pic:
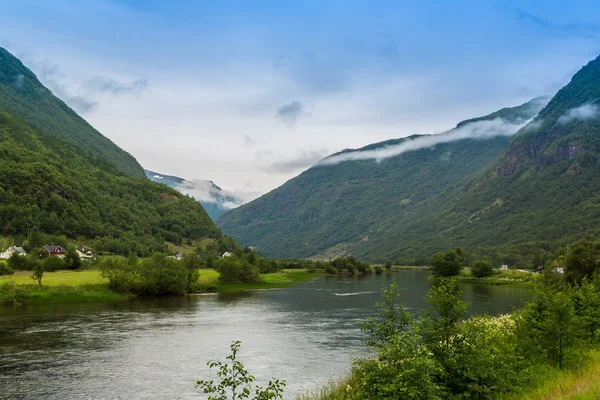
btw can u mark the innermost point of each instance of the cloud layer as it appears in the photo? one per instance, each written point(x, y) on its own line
point(474, 130)
point(305, 159)
point(585, 112)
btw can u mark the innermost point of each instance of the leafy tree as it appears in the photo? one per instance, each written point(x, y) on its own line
point(582, 261)
point(5, 269)
point(52, 264)
point(388, 265)
point(587, 307)
point(549, 326)
point(17, 262)
point(38, 273)
point(235, 270)
point(72, 260)
point(448, 263)
point(236, 382)
point(192, 264)
point(36, 239)
point(482, 269)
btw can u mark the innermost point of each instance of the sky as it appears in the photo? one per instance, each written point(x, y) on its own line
point(251, 93)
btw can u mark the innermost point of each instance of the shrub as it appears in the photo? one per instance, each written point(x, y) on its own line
point(447, 263)
point(52, 264)
point(235, 270)
point(17, 262)
point(378, 269)
point(330, 269)
point(482, 269)
point(5, 269)
point(13, 295)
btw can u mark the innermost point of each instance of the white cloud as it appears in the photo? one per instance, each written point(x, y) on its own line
point(474, 130)
point(585, 112)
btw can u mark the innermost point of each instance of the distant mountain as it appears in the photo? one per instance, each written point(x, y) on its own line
point(60, 175)
point(362, 201)
point(22, 94)
point(215, 200)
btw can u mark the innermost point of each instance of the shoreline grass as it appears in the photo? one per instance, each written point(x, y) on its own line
point(89, 286)
point(500, 278)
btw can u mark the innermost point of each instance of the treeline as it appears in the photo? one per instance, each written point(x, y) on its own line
point(445, 355)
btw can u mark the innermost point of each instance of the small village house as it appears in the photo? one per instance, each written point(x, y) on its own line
point(86, 254)
point(54, 251)
point(227, 254)
point(12, 250)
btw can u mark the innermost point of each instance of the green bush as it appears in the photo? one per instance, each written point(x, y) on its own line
point(235, 270)
point(12, 295)
point(330, 269)
point(482, 269)
point(52, 264)
point(5, 269)
point(447, 263)
point(378, 269)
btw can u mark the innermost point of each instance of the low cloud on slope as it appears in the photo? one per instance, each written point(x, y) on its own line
point(474, 130)
point(585, 112)
point(306, 159)
point(206, 191)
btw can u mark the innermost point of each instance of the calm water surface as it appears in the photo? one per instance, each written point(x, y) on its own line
point(157, 348)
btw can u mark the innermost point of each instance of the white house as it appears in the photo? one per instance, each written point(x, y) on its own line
point(177, 256)
point(86, 254)
point(504, 267)
point(227, 254)
point(11, 250)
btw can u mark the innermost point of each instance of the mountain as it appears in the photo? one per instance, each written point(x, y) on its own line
point(57, 184)
point(356, 200)
point(214, 199)
point(22, 94)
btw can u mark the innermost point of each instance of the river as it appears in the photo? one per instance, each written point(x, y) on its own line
point(157, 348)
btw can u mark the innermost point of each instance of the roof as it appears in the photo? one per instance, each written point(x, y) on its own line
point(85, 250)
point(52, 249)
point(16, 249)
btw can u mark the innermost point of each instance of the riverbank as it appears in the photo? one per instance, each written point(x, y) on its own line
point(551, 384)
point(510, 277)
point(89, 285)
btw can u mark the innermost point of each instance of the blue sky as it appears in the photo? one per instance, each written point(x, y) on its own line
point(250, 93)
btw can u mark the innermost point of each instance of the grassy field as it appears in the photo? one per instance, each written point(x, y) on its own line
point(510, 277)
point(580, 384)
point(88, 285)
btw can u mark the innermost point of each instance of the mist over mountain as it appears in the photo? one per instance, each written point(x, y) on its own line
point(352, 201)
point(215, 200)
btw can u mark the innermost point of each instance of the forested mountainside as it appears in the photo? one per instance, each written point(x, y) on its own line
point(214, 199)
point(22, 94)
point(62, 190)
point(357, 206)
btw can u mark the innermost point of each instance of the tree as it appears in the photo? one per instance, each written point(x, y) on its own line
point(582, 261)
point(482, 269)
point(236, 382)
point(38, 273)
point(388, 265)
point(17, 262)
point(36, 240)
point(53, 264)
point(72, 260)
point(192, 265)
point(447, 263)
point(549, 326)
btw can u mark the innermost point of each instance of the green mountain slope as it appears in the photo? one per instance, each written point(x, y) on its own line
point(22, 94)
point(356, 206)
point(62, 190)
point(544, 188)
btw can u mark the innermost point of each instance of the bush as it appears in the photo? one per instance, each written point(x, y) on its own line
point(235, 270)
point(447, 263)
point(482, 269)
point(156, 276)
point(5, 269)
point(52, 264)
point(330, 269)
point(13, 295)
point(378, 269)
point(17, 262)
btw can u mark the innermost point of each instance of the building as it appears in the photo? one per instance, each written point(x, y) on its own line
point(12, 250)
point(227, 254)
point(54, 251)
point(86, 254)
point(504, 267)
point(177, 256)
